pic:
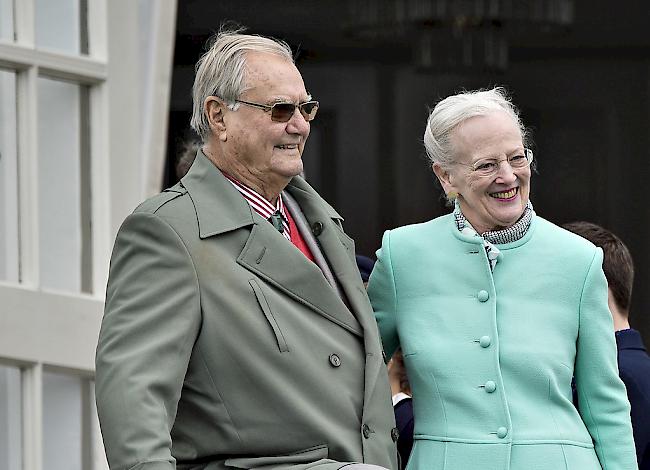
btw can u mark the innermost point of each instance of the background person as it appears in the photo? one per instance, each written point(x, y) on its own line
point(402, 405)
point(495, 309)
point(633, 360)
point(237, 332)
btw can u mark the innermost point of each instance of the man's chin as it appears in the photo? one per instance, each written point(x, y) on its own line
point(289, 171)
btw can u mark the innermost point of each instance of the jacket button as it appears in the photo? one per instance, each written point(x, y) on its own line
point(365, 429)
point(485, 341)
point(335, 360)
point(317, 228)
point(394, 434)
point(502, 432)
point(483, 295)
point(490, 386)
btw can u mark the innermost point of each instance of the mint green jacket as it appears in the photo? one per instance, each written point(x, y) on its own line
point(490, 355)
point(223, 347)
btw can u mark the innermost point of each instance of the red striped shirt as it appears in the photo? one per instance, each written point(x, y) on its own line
point(260, 205)
point(265, 209)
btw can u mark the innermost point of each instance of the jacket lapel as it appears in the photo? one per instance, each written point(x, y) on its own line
point(338, 249)
point(270, 256)
point(266, 253)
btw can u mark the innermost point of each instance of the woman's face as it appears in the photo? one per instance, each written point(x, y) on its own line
point(493, 202)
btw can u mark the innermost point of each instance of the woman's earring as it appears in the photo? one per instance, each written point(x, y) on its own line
point(451, 195)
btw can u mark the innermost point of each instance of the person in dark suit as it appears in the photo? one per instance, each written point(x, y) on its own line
point(633, 359)
point(237, 333)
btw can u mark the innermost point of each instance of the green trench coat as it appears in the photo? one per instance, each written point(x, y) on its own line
point(222, 346)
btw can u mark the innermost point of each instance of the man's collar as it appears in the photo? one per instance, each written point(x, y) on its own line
point(219, 207)
point(629, 339)
point(264, 208)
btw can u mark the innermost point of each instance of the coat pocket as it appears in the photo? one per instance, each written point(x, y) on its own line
point(305, 456)
point(264, 305)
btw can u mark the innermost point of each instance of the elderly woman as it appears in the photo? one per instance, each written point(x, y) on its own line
point(496, 310)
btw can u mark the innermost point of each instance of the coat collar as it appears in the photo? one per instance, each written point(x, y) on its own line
point(219, 207)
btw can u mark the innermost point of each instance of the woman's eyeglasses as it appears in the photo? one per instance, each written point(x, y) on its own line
point(487, 167)
point(282, 112)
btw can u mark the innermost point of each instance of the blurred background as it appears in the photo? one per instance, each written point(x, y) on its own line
point(579, 70)
point(95, 101)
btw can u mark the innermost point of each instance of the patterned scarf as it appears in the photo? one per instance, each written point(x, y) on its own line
point(495, 237)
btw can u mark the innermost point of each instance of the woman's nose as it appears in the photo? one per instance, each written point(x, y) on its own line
point(505, 172)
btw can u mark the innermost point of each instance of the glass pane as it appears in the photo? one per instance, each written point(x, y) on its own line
point(7, 19)
point(10, 417)
point(64, 194)
point(63, 400)
point(9, 264)
point(59, 25)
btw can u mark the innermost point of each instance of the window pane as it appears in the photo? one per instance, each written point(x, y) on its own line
point(10, 417)
point(64, 194)
point(9, 264)
point(59, 25)
point(7, 19)
point(62, 421)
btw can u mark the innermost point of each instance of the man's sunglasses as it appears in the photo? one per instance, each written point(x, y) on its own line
point(282, 112)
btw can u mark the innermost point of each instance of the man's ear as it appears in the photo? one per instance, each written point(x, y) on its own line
point(445, 179)
point(214, 108)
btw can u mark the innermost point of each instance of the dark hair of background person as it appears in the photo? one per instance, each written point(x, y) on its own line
point(617, 261)
point(186, 157)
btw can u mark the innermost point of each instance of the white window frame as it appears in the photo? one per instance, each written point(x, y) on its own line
point(41, 329)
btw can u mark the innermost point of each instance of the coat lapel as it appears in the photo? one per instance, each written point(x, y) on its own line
point(266, 253)
point(338, 249)
point(269, 255)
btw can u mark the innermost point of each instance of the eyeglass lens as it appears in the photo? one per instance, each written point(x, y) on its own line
point(282, 112)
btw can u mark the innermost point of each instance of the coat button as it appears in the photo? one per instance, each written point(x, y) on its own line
point(502, 432)
point(317, 228)
point(335, 360)
point(490, 386)
point(483, 295)
point(485, 341)
point(367, 431)
point(394, 434)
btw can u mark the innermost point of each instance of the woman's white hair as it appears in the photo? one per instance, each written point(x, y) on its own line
point(453, 110)
point(221, 71)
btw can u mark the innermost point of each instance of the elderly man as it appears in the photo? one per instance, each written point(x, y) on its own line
point(237, 332)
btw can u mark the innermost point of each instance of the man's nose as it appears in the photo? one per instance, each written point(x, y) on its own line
point(298, 124)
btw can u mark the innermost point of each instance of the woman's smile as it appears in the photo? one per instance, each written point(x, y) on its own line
point(506, 196)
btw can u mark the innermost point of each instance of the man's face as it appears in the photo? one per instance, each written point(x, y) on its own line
point(266, 150)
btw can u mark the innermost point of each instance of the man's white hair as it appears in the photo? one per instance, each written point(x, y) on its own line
point(221, 71)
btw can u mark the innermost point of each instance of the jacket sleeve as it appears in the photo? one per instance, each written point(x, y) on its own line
point(602, 398)
point(151, 320)
point(383, 297)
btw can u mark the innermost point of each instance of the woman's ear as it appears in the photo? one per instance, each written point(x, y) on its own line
point(214, 108)
point(445, 178)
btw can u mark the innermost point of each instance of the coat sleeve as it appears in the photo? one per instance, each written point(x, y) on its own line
point(602, 399)
point(151, 320)
point(383, 296)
